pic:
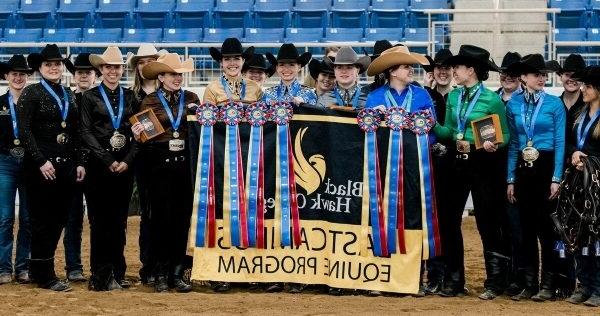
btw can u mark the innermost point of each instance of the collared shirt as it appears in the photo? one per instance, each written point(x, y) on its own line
point(7, 135)
point(347, 96)
point(501, 93)
point(215, 92)
point(281, 92)
point(549, 132)
point(152, 101)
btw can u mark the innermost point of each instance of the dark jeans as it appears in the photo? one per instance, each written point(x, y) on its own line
point(588, 272)
point(73, 230)
point(11, 179)
point(142, 184)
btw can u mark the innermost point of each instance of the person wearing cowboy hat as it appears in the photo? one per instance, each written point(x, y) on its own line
point(378, 48)
point(509, 83)
point(477, 171)
point(347, 94)
point(288, 64)
point(84, 74)
point(257, 69)
point(571, 96)
point(231, 86)
point(106, 133)
point(168, 156)
point(536, 153)
point(49, 132)
point(583, 144)
point(438, 75)
point(323, 76)
point(15, 72)
point(145, 54)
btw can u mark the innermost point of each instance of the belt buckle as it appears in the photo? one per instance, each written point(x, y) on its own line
point(529, 164)
point(462, 156)
point(179, 158)
point(59, 159)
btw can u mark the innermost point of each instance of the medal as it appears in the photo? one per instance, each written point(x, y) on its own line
point(118, 140)
point(13, 116)
point(530, 153)
point(17, 152)
point(62, 138)
point(176, 134)
point(63, 124)
point(463, 146)
point(460, 136)
point(17, 142)
point(64, 108)
point(174, 122)
point(176, 145)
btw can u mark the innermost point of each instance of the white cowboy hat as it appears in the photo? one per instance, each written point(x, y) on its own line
point(145, 50)
point(397, 55)
point(167, 63)
point(111, 56)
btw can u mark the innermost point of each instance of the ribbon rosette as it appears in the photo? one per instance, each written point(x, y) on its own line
point(281, 112)
point(396, 118)
point(368, 120)
point(422, 122)
point(207, 114)
point(257, 114)
point(232, 113)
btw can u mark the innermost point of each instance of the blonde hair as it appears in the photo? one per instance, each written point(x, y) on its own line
point(583, 110)
point(138, 80)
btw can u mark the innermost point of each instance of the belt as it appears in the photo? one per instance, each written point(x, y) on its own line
point(175, 159)
point(462, 156)
point(59, 160)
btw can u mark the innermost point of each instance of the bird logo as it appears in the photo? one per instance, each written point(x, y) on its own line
point(309, 173)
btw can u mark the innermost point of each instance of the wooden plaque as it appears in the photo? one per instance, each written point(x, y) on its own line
point(487, 128)
point(152, 126)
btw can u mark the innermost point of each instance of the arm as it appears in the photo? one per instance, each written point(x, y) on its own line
point(209, 97)
point(27, 104)
point(498, 107)
point(513, 145)
point(560, 119)
point(86, 125)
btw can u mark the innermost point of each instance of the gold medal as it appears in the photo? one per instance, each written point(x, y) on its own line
point(176, 134)
point(463, 146)
point(118, 140)
point(529, 143)
point(460, 136)
point(17, 142)
point(63, 124)
point(530, 154)
point(62, 138)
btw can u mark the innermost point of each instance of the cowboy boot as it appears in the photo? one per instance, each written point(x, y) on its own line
point(178, 283)
point(548, 291)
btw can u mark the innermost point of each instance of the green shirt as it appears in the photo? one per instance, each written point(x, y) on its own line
point(488, 103)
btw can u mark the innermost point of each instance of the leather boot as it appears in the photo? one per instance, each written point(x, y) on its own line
point(496, 266)
point(178, 283)
point(161, 283)
point(453, 284)
point(548, 291)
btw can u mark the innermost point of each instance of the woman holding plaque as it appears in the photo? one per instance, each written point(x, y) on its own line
point(536, 153)
point(169, 169)
point(15, 72)
point(105, 131)
point(478, 171)
point(49, 128)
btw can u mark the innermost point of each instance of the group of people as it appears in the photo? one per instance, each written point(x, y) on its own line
point(57, 144)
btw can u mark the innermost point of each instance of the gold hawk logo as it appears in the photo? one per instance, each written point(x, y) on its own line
point(309, 173)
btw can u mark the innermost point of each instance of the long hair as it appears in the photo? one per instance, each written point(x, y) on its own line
point(137, 82)
point(579, 116)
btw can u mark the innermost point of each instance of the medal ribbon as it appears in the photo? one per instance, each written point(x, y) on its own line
point(431, 244)
point(13, 116)
point(529, 128)
point(174, 122)
point(461, 120)
point(116, 120)
point(390, 101)
point(64, 108)
point(206, 200)
point(582, 137)
point(354, 101)
point(228, 91)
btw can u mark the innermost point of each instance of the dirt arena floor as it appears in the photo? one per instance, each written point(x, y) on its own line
point(140, 300)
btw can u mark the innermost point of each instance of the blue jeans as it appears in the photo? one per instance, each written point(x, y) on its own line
point(11, 179)
point(72, 237)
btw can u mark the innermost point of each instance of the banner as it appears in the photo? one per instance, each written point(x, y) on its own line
point(336, 246)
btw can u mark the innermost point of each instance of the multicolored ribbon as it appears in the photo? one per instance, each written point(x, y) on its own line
point(286, 204)
point(207, 117)
point(368, 121)
point(234, 200)
point(257, 116)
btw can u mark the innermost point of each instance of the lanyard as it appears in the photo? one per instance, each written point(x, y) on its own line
point(582, 137)
point(354, 101)
point(406, 103)
point(13, 116)
point(529, 128)
point(174, 123)
point(461, 120)
point(116, 120)
point(64, 109)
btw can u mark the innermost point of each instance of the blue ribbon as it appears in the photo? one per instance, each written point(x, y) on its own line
point(174, 122)
point(232, 131)
point(406, 102)
point(64, 108)
point(530, 128)
point(255, 138)
point(396, 148)
point(13, 116)
point(427, 183)
point(282, 143)
point(373, 197)
point(116, 120)
point(204, 165)
point(582, 137)
point(228, 91)
point(354, 101)
point(461, 121)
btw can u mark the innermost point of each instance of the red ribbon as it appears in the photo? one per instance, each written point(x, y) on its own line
point(434, 215)
point(242, 198)
point(260, 209)
point(293, 198)
point(212, 227)
point(400, 215)
point(382, 231)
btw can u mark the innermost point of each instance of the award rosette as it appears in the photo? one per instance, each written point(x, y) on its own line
point(206, 227)
point(286, 204)
point(368, 121)
point(235, 228)
point(256, 115)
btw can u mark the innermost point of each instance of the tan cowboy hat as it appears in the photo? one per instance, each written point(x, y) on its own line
point(397, 55)
point(145, 50)
point(111, 56)
point(170, 63)
point(347, 56)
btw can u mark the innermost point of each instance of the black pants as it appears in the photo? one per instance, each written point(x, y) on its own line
point(483, 174)
point(588, 272)
point(108, 195)
point(49, 205)
point(532, 189)
point(171, 196)
point(142, 184)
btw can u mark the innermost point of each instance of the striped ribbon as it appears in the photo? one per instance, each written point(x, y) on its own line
point(207, 116)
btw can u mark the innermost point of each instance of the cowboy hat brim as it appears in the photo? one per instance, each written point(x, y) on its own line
point(132, 59)
point(153, 69)
point(385, 61)
point(302, 60)
point(314, 68)
point(35, 60)
point(97, 61)
point(463, 60)
point(216, 54)
point(521, 68)
point(6, 68)
point(587, 76)
point(362, 63)
point(268, 71)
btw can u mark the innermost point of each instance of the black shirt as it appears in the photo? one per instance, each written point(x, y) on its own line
point(591, 146)
point(7, 135)
point(97, 128)
point(439, 104)
point(573, 112)
point(40, 124)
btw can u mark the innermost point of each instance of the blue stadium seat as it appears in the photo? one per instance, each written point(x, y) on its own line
point(22, 35)
point(219, 35)
point(312, 5)
point(38, 6)
point(349, 13)
point(7, 13)
point(295, 35)
point(233, 13)
point(428, 4)
point(568, 5)
point(114, 14)
point(255, 35)
point(377, 34)
point(311, 13)
point(344, 35)
point(62, 35)
point(142, 35)
point(73, 14)
point(9, 6)
point(102, 35)
point(418, 18)
point(193, 13)
point(36, 14)
point(388, 13)
point(154, 13)
point(389, 5)
point(574, 34)
point(593, 35)
point(187, 35)
point(416, 34)
point(573, 13)
point(272, 13)
point(595, 4)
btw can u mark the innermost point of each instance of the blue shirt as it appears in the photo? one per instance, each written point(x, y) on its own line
point(281, 92)
point(548, 135)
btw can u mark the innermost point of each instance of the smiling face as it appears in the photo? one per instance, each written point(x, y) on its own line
point(111, 74)
point(509, 83)
point(462, 74)
point(232, 65)
point(403, 74)
point(346, 75)
point(288, 71)
point(171, 81)
point(590, 94)
point(442, 75)
point(534, 81)
point(16, 80)
point(325, 82)
point(257, 75)
point(569, 84)
point(51, 70)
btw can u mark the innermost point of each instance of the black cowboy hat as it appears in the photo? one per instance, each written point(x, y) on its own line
point(289, 53)
point(440, 58)
point(316, 67)
point(379, 47)
point(472, 55)
point(50, 52)
point(533, 63)
point(509, 59)
point(589, 75)
point(573, 63)
point(231, 47)
point(82, 62)
point(258, 61)
point(15, 63)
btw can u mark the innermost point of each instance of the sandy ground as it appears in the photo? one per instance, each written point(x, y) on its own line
point(140, 300)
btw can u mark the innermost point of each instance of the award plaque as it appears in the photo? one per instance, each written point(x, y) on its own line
point(152, 126)
point(487, 129)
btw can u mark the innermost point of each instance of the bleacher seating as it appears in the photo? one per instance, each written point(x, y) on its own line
point(344, 35)
point(154, 13)
point(272, 13)
point(142, 35)
point(187, 35)
point(114, 14)
point(295, 35)
point(62, 35)
point(311, 13)
point(232, 13)
point(254, 35)
point(79, 13)
point(102, 35)
point(212, 35)
point(36, 14)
